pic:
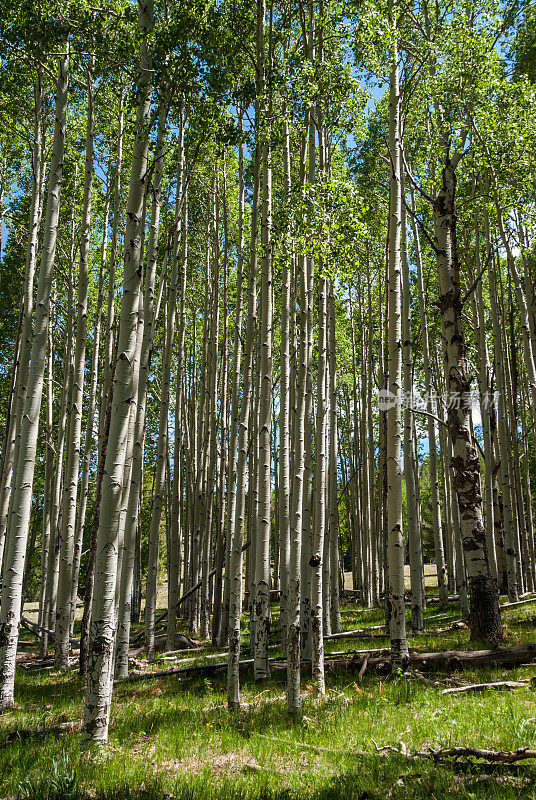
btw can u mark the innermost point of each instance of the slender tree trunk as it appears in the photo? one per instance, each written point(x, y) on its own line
point(510, 528)
point(238, 523)
point(222, 497)
point(49, 483)
point(284, 409)
point(99, 685)
point(235, 389)
point(22, 361)
point(176, 532)
point(64, 608)
point(397, 626)
point(335, 610)
point(261, 601)
point(410, 468)
point(109, 339)
point(13, 572)
point(298, 479)
point(320, 493)
point(163, 439)
point(89, 439)
point(432, 442)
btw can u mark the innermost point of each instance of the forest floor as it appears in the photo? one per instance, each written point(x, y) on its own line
point(173, 737)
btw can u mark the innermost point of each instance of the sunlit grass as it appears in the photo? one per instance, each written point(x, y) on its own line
point(174, 737)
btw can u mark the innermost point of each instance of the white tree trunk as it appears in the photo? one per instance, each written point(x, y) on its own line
point(13, 572)
point(64, 608)
point(397, 620)
point(100, 667)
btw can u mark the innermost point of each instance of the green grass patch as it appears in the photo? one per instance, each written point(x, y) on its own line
point(175, 738)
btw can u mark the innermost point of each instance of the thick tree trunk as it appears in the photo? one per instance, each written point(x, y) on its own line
point(485, 618)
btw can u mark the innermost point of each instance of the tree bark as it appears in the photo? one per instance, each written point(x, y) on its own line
point(13, 572)
point(99, 685)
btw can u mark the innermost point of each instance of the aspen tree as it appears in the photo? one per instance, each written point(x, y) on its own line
point(335, 610)
point(238, 523)
point(14, 561)
point(485, 619)
point(49, 470)
point(108, 370)
point(99, 684)
point(162, 442)
point(410, 467)
point(176, 531)
point(223, 455)
point(486, 407)
point(298, 479)
point(431, 427)
point(231, 484)
point(284, 408)
point(510, 531)
point(65, 607)
point(261, 601)
point(397, 622)
point(51, 586)
point(22, 361)
point(145, 339)
point(320, 494)
point(89, 437)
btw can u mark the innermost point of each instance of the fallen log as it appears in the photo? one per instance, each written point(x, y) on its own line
point(453, 659)
point(36, 629)
point(519, 603)
point(476, 687)
point(160, 644)
point(492, 756)
point(351, 634)
point(56, 728)
point(166, 673)
point(452, 598)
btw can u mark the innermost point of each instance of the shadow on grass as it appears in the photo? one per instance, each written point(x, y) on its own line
point(373, 778)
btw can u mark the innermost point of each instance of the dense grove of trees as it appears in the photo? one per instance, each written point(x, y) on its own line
point(268, 317)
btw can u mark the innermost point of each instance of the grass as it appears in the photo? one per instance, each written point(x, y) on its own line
point(174, 737)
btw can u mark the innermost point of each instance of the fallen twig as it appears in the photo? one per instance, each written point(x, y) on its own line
point(363, 668)
point(475, 687)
